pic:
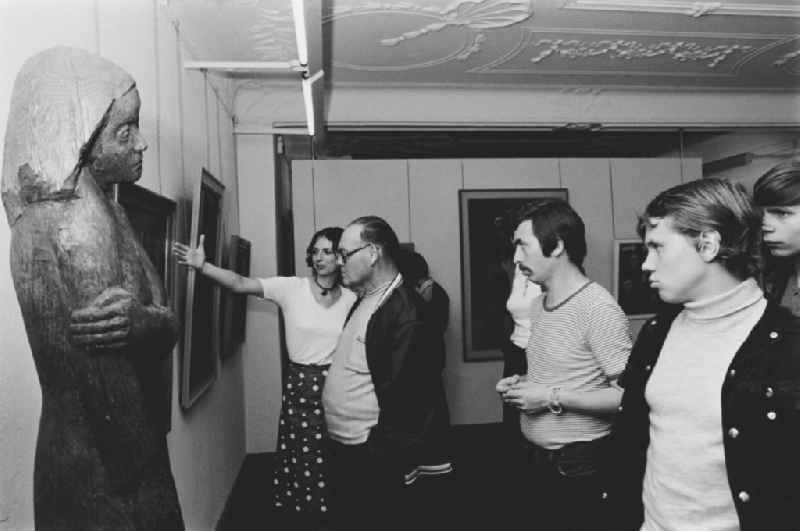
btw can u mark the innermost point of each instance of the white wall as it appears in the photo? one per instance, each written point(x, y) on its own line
point(262, 365)
point(767, 149)
point(187, 127)
point(419, 198)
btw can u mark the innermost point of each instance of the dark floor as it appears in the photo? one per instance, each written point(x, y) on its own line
point(478, 493)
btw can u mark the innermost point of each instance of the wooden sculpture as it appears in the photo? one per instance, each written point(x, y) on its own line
point(91, 300)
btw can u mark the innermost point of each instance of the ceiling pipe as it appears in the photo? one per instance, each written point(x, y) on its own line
point(246, 66)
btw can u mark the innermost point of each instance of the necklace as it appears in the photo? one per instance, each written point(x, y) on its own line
point(376, 289)
point(325, 290)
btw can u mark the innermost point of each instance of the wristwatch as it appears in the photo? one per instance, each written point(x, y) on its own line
point(554, 405)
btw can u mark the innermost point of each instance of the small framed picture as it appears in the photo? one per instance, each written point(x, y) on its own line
point(632, 285)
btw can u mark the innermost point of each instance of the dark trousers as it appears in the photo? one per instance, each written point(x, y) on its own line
point(366, 490)
point(515, 477)
point(566, 491)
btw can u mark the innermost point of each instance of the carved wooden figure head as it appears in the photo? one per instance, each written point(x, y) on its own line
point(62, 100)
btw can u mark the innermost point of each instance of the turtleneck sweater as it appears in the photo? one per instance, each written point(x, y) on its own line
point(686, 482)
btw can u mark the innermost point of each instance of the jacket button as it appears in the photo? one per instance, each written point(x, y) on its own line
point(771, 415)
point(648, 368)
point(654, 322)
point(743, 496)
point(731, 373)
point(733, 433)
point(604, 495)
point(773, 335)
point(769, 392)
point(619, 409)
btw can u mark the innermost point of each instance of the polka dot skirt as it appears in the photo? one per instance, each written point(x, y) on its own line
point(300, 482)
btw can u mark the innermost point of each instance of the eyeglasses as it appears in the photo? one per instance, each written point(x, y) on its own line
point(344, 256)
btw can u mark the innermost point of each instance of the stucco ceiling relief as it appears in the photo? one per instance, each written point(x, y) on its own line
point(556, 51)
point(483, 43)
point(789, 63)
point(625, 50)
point(405, 22)
point(692, 9)
point(273, 35)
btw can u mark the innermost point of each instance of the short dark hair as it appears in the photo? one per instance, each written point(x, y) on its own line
point(332, 234)
point(713, 205)
point(413, 266)
point(779, 186)
point(553, 220)
point(377, 231)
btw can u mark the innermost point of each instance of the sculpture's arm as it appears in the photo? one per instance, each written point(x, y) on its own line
point(116, 319)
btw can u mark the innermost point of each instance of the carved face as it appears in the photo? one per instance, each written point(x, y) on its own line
point(116, 156)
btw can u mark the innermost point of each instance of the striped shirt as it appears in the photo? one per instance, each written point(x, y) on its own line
point(581, 345)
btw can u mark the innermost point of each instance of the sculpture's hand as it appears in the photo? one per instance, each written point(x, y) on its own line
point(109, 322)
point(192, 257)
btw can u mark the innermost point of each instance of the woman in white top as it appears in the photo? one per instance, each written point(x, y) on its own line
point(314, 310)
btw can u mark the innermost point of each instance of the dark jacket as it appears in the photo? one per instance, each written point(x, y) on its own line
point(439, 308)
point(760, 400)
point(405, 356)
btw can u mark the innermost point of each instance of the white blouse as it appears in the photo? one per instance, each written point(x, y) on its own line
point(312, 330)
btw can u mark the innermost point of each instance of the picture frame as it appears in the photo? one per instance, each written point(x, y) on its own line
point(631, 285)
point(234, 305)
point(487, 264)
point(201, 343)
point(152, 217)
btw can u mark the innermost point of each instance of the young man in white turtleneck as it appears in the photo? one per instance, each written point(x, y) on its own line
point(708, 434)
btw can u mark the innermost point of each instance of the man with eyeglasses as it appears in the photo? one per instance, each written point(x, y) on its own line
point(383, 386)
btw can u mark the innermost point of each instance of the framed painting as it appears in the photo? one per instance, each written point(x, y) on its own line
point(234, 305)
point(631, 285)
point(487, 263)
point(152, 217)
point(201, 343)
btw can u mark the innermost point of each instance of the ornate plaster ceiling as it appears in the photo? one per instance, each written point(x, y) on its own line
point(753, 45)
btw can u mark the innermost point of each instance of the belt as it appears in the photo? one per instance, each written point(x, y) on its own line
point(581, 450)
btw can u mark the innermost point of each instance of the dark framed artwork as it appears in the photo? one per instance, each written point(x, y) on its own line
point(487, 263)
point(152, 217)
point(631, 285)
point(234, 305)
point(201, 344)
